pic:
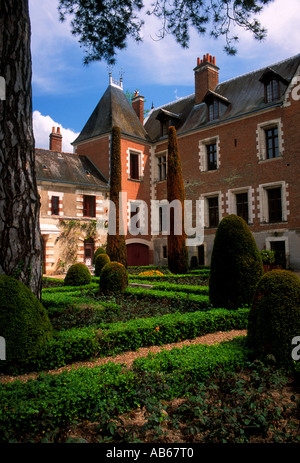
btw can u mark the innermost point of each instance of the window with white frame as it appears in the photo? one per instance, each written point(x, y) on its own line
point(138, 222)
point(162, 167)
point(209, 154)
point(273, 199)
point(212, 209)
point(241, 202)
point(135, 164)
point(269, 137)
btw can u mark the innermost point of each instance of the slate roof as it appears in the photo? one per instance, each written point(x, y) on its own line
point(67, 168)
point(112, 110)
point(245, 94)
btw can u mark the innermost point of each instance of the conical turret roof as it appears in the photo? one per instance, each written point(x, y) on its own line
point(112, 110)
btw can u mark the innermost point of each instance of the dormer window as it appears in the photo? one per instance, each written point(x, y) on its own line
point(213, 110)
point(216, 105)
point(274, 85)
point(167, 119)
point(272, 91)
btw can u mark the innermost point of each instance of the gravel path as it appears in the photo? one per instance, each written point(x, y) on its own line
point(128, 357)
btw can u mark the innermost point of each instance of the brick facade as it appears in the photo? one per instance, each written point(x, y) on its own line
point(239, 153)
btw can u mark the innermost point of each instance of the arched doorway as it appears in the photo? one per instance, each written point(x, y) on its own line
point(89, 249)
point(137, 254)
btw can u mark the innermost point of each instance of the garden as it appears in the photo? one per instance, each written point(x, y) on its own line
point(144, 355)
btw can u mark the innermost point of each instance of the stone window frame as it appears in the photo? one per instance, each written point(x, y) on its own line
point(231, 201)
point(263, 207)
point(205, 197)
point(261, 139)
point(60, 195)
point(203, 164)
point(140, 164)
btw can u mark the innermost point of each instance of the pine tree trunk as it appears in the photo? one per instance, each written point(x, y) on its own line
point(20, 237)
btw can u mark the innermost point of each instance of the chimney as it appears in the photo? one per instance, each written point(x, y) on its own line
point(206, 76)
point(55, 140)
point(138, 106)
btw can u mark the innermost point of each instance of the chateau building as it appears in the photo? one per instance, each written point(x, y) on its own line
point(239, 143)
point(72, 194)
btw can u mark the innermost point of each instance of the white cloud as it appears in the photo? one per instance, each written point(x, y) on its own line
point(42, 127)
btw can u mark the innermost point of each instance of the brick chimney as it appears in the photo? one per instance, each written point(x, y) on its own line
point(55, 140)
point(206, 76)
point(138, 106)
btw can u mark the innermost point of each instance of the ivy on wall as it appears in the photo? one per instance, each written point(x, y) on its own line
point(71, 232)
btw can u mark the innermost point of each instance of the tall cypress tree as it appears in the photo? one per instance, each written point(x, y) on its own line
point(177, 250)
point(116, 247)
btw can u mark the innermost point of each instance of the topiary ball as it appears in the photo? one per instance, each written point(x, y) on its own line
point(236, 265)
point(100, 261)
point(274, 317)
point(78, 275)
point(97, 252)
point(113, 278)
point(24, 322)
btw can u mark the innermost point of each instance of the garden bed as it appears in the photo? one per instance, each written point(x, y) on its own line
point(137, 368)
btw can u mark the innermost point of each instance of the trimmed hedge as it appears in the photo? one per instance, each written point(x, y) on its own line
point(113, 278)
point(188, 364)
point(78, 275)
point(71, 289)
point(274, 318)
point(168, 329)
point(83, 343)
point(236, 265)
point(24, 322)
point(53, 401)
point(100, 261)
point(194, 289)
point(98, 251)
point(201, 300)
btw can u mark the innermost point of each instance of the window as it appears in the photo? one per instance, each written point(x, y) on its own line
point(134, 166)
point(135, 223)
point(163, 217)
point(274, 204)
point(213, 110)
point(272, 91)
point(55, 205)
point(272, 144)
point(211, 156)
point(213, 211)
point(164, 127)
point(242, 208)
point(162, 167)
point(165, 252)
point(89, 206)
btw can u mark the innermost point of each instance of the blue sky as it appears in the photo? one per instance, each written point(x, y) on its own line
point(65, 92)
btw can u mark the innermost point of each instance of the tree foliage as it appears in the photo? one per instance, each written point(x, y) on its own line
point(103, 26)
point(116, 247)
point(177, 250)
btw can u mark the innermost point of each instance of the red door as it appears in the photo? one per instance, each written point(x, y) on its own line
point(137, 254)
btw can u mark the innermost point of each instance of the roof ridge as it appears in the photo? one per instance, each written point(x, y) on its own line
point(259, 69)
point(167, 104)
